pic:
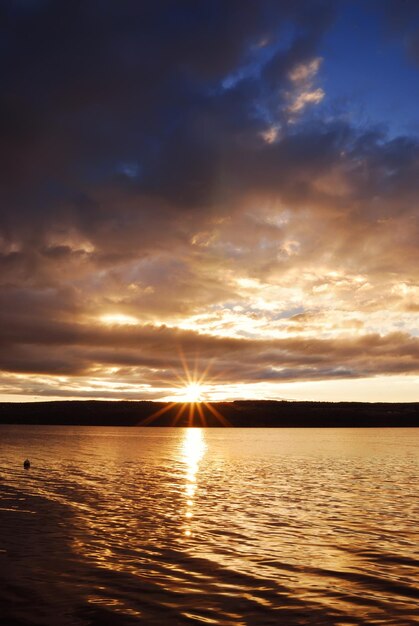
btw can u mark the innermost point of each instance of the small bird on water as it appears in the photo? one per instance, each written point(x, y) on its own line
point(26, 464)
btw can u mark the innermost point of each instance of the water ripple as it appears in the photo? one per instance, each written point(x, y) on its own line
point(254, 527)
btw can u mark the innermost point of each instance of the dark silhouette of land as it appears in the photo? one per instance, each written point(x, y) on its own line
point(245, 413)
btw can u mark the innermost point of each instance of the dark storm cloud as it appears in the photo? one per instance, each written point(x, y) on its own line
point(93, 90)
point(119, 119)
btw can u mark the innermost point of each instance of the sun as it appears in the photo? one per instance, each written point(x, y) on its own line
point(190, 398)
point(192, 393)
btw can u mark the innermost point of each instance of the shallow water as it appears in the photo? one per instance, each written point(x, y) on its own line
point(148, 526)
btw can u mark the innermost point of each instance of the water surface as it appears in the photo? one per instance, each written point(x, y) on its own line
point(236, 527)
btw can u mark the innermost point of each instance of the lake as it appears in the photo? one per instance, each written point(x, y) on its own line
point(124, 526)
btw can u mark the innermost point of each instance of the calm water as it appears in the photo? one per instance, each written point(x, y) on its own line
point(121, 526)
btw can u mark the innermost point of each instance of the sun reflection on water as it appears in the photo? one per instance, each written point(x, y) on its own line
point(193, 450)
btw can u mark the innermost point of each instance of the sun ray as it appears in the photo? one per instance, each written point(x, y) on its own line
point(157, 414)
point(179, 414)
point(191, 413)
point(193, 387)
point(185, 366)
point(205, 372)
point(223, 420)
point(201, 414)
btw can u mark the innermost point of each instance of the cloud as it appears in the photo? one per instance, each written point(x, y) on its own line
point(302, 77)
point(306, 97)
point(160, 163)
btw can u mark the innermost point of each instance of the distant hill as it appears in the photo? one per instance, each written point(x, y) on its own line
point(244, 413)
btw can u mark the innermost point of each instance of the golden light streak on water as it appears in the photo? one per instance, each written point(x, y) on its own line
point(193, 450)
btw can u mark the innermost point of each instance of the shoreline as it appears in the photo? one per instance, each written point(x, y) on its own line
point(239, 413)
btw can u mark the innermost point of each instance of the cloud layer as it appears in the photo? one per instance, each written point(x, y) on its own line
point(179, 164)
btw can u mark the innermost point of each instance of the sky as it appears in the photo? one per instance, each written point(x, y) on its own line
point(209, 194)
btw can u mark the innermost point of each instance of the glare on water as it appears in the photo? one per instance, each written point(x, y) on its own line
point(193, 450)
